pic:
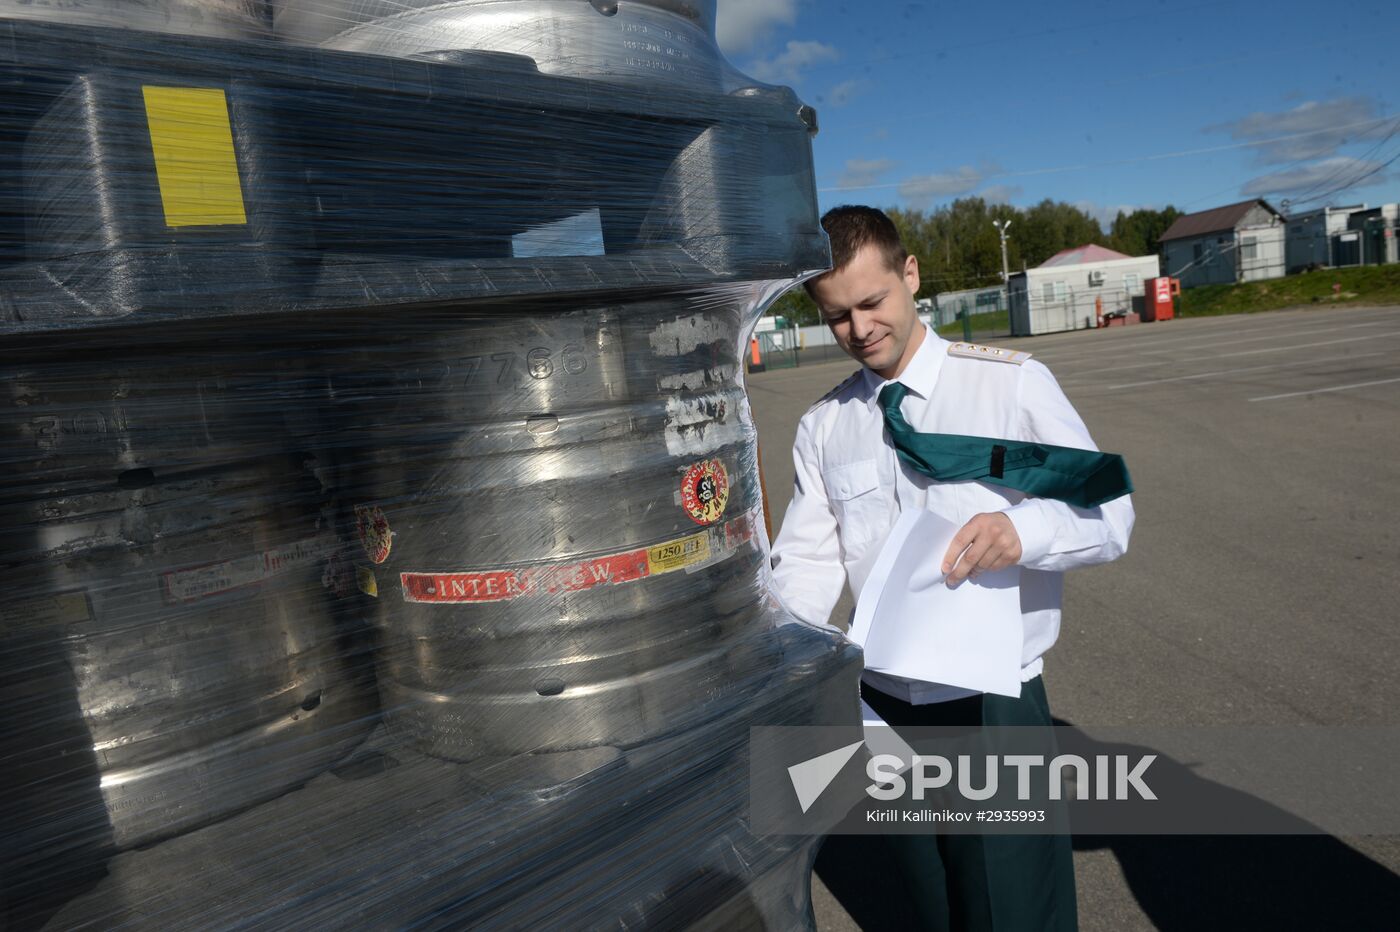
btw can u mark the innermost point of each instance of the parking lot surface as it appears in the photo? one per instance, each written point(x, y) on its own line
point(1262, 584)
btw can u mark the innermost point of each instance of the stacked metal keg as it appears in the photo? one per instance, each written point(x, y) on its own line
point(446, 418)
point(667, 42)
point(218, 19)
point(169, 652)
point(535, 469)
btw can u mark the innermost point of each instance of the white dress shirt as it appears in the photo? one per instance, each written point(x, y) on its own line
point(850, 487)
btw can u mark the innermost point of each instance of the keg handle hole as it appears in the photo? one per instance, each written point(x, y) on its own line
point(136, 478)
point(549, 687)
point(311, 701)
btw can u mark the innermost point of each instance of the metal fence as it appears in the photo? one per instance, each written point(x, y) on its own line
point(810, 345)
point(777, 349)
point(974, 302)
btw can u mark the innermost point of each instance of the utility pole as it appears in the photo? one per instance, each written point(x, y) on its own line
point(1002, 226)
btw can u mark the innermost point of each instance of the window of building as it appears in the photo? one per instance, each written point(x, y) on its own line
point(1049, 291)
point(1249, 248)
point(1130, 283)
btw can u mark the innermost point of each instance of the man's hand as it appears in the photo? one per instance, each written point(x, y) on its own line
point(987, 542)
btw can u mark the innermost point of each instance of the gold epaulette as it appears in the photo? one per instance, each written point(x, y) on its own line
point(974, 351)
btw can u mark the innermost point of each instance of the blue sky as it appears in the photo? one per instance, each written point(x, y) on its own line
point(1107, 105)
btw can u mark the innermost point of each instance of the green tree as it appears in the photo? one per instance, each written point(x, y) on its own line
point(795, 306)
point(1136, 233)
point(1052, 226)
point(956, 245)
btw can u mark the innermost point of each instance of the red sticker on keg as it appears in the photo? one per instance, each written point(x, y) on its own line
point(705, 491)
point(375, 535)
point(209, 579)
point(504, 585)
point(689, 553)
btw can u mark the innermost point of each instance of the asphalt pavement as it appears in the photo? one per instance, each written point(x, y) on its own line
point(1261, 585)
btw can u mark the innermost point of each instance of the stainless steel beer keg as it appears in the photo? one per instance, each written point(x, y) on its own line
point(171, 559)
point(195, 661)
point(557, 501)
point(559, 515)
point(226, 19)
point(668, 42)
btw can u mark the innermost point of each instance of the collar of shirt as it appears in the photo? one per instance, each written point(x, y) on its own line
point(920, 376)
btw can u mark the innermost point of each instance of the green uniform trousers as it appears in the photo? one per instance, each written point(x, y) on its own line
point(971, 883)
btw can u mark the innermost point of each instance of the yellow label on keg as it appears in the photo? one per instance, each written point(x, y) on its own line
point(195, 163)
point(62, 608)
point(678, 554)
point(364, 579)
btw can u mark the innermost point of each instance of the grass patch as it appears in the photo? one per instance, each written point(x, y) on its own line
point(1371, 284)
point(997, 322)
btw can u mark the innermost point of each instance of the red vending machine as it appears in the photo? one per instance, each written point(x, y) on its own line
point(1159, 304)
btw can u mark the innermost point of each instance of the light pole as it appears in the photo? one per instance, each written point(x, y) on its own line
point(1002, 226)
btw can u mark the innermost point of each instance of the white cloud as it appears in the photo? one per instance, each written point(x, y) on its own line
point(1332, 175)
point(740, 24)
point(847, 91)
point(1105, 214)
point(787, 66)
point(861, 173)
point(1000, 193)
point(1320, 128)
point(919, 190)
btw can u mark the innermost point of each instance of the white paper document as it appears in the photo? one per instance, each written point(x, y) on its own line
point(911, 624)
point(880, 738)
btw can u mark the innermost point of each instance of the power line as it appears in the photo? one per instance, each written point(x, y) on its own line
point(1302, 196)
point(1355, 181)
point(1234, 187)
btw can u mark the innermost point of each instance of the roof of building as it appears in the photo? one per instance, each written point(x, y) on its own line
point(1079, 255)
point(1323, 211)
point(1211, 221)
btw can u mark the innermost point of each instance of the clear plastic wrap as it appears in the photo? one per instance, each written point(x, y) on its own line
point(383, 532)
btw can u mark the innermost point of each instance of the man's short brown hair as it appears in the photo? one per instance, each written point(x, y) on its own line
point(852, 227)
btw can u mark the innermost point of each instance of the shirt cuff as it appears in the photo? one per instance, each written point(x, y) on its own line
point(1034, 528)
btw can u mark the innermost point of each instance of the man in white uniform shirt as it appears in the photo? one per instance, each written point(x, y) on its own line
point(849, 491)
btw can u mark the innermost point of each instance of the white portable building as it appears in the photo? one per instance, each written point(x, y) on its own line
point(1064, 293)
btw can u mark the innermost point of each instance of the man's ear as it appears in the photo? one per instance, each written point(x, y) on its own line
point(911, 274)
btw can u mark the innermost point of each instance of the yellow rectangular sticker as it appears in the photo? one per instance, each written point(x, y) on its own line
point(59, 609)
point(195, 164)
point(678, 554)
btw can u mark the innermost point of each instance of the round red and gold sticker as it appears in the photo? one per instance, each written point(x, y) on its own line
point(705, 491)
point(375, 535)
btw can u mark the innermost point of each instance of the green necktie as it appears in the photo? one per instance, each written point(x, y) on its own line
point(1085, 478)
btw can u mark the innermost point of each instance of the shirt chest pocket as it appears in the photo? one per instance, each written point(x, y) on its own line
point(854, 492)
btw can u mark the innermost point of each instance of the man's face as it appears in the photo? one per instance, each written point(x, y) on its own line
point(870, 310)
